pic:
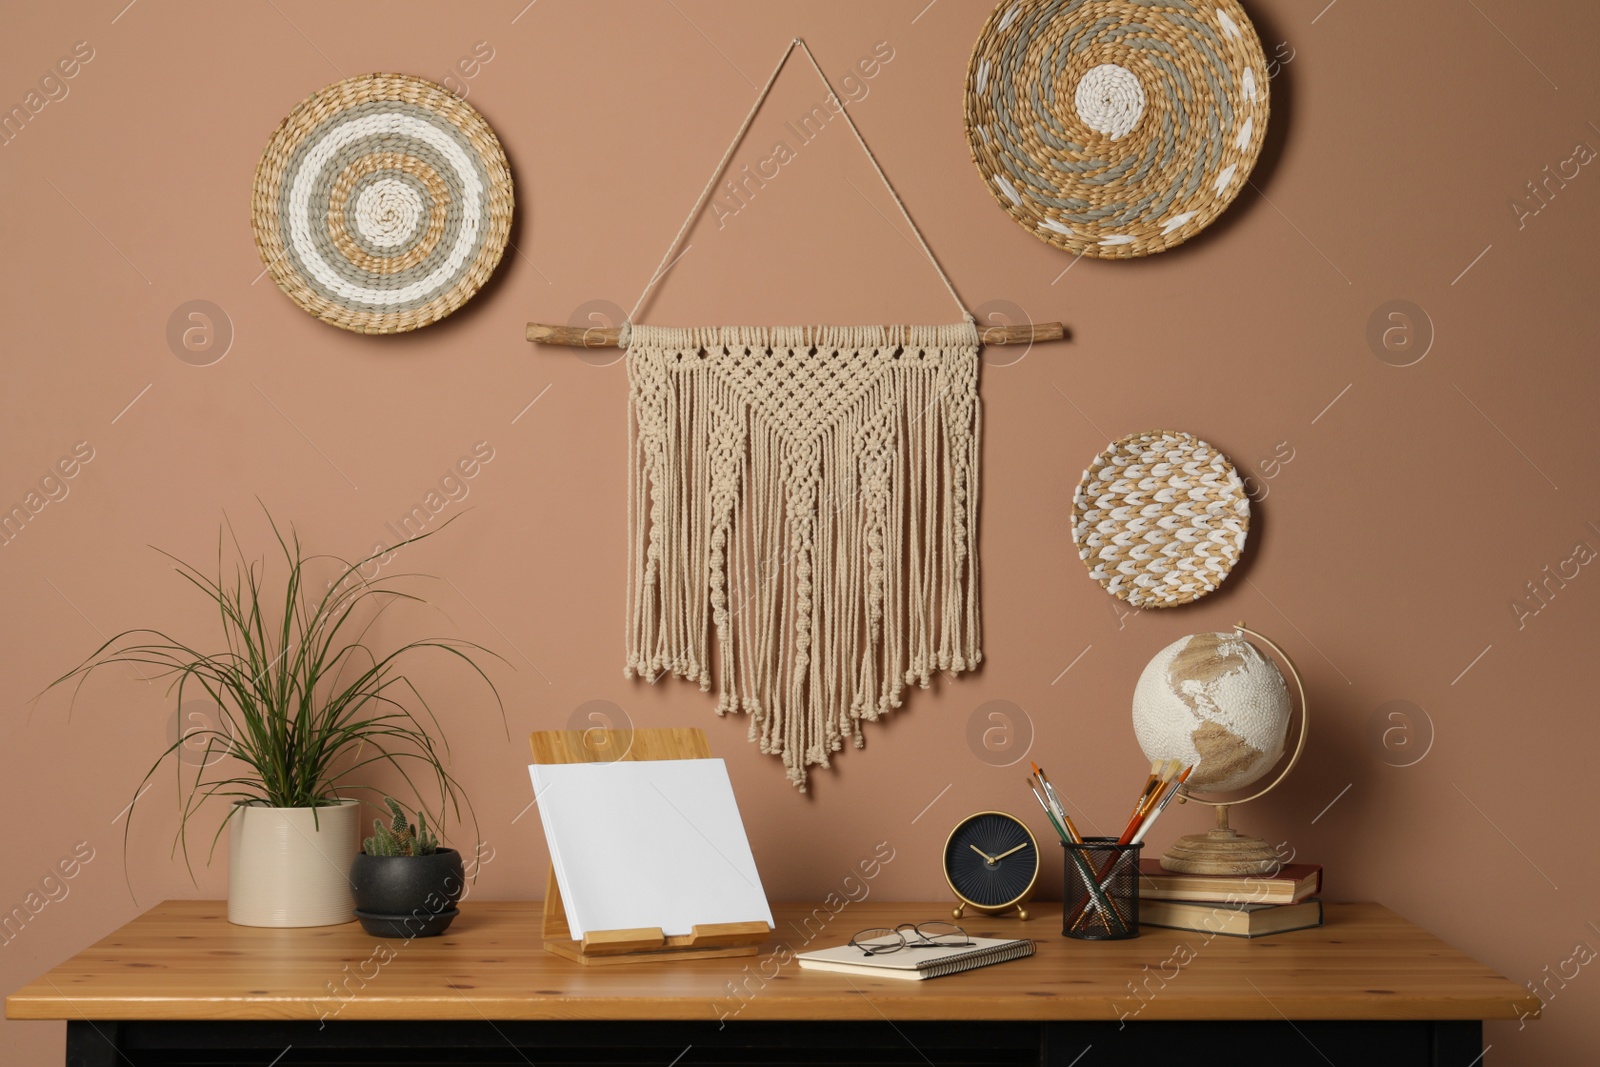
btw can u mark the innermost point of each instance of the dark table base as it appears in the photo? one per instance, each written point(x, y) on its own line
point(878, 1044)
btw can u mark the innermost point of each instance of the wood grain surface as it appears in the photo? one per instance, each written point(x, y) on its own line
point(183, 960)
point(611, 336)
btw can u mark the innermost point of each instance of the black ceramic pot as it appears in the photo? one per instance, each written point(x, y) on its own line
point(407, 885)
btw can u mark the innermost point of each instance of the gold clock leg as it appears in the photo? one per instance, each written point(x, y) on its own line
point(1022, 913)
point(959, 911)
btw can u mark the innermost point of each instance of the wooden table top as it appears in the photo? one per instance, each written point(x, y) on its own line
point(183, 960)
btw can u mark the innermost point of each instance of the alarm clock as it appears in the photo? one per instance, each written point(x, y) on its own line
point(991, 861)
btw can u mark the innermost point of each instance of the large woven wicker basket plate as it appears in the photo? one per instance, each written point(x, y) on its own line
point(382, 203)
point(1160, 518)
point(1116, 128)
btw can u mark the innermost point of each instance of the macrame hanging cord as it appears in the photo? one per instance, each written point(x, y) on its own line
point(808, 496)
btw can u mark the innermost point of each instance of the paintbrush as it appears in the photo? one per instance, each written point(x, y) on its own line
point(1069, 836)
point(1055, 802)
point(1055, 824)
point(1171, 790)
point(1169, 770)
point(1161, 805)
point(1161, 772)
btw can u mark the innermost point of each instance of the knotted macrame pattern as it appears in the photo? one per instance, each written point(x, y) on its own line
point(806, 496)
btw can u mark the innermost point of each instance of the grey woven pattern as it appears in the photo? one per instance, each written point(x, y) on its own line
point(1116, 128)
point(382, 203)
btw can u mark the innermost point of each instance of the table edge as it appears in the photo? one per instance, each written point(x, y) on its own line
point(873, 1000)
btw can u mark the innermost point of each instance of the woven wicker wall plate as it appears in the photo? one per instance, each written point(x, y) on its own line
point(1116, 128)
point(1160, 518)
point(382, 203)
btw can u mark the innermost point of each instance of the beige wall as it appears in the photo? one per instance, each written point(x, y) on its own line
point(1386, 554)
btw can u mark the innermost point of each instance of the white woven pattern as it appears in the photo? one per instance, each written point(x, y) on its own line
point(1160, 518)
point(382, 203)
point(305, 243)
point(388, 212)
point(1110, 100)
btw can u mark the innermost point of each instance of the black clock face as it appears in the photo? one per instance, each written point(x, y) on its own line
point(991, 860)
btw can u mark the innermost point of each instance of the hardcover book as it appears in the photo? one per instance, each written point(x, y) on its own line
point(1234, 920)
point(1293, 883)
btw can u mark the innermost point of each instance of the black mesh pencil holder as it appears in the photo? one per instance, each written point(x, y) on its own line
point(1101, 902)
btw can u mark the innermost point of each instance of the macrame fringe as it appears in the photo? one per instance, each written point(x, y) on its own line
point(807, 496)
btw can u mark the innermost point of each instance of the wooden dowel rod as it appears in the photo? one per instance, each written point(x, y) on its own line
point(1025, 334)
point(575, 336)
point(607, 336)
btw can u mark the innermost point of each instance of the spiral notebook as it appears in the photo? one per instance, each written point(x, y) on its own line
point(917, 964)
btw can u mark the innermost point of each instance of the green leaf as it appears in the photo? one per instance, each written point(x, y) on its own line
point(307, 708)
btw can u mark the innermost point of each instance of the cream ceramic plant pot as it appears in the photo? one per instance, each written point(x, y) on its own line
point(289, 866)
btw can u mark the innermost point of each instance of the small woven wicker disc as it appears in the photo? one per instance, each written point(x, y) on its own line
point(382, 203)
point(1116, 128)
point(1160, 518)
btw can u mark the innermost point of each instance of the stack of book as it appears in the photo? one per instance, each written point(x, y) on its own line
point(1235, 905)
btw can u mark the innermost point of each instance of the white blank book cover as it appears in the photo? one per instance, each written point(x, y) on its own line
point(642, 843)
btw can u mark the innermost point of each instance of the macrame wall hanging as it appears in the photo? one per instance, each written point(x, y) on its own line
point(804, 499)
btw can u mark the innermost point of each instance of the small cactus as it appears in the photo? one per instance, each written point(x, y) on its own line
point(399, 838)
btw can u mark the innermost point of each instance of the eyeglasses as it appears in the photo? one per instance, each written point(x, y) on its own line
point(881, 940)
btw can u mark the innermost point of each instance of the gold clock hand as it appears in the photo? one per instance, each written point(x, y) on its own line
point(986, 857)
point(1008, 852)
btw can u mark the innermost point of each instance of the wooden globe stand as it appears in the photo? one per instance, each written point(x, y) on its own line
point(1223, 850)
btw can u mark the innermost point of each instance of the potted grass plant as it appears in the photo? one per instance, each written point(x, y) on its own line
point(406, 884)
point(308, 710)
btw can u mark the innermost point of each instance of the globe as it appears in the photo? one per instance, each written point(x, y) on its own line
point(1215, 699)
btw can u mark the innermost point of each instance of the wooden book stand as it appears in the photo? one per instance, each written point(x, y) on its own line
point(646, 943)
